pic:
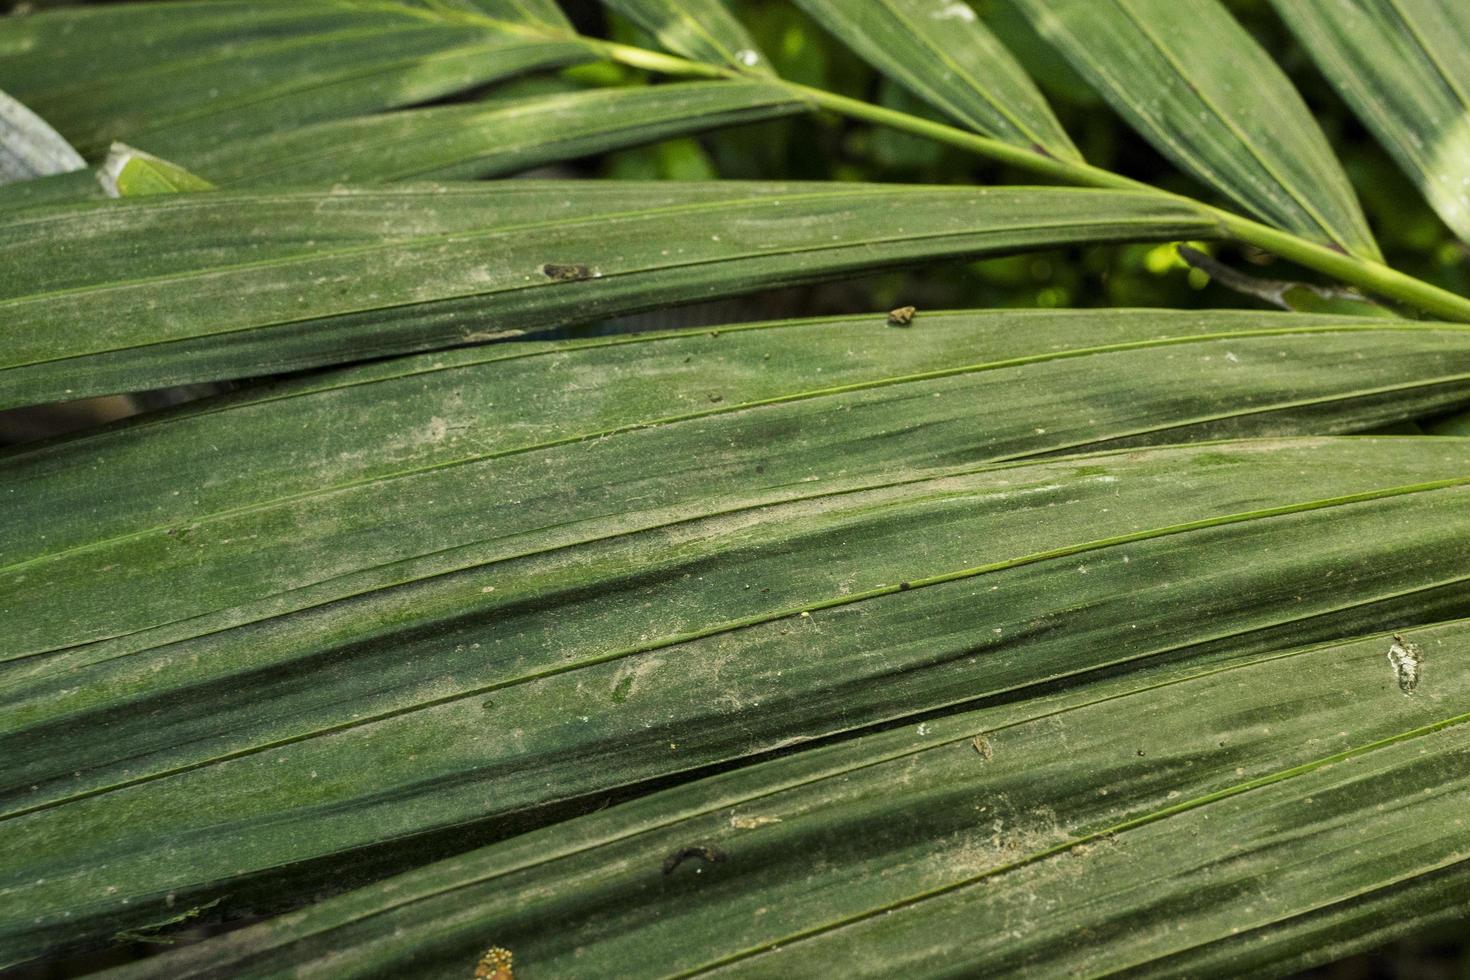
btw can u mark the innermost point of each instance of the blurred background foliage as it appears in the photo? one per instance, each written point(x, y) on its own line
point(826, 148)
point(820, 147)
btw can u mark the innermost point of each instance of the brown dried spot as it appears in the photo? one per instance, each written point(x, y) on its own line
point(902, 316)
point(567, 272)
point(982, 745)
point(494, 965)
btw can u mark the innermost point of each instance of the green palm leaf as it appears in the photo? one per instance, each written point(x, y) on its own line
point(492, 138)
point(177, 78)
point(536, 13)
point(327, 277)
point(944, 54)
point(1455, 425)
point(1403, 67)
point(920, 643)
point(982, 843)
point(700, 29)
point(1189, 78)
point(394, 628)
point(395, 436)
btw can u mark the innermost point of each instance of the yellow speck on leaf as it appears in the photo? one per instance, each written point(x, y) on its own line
point(494, 965)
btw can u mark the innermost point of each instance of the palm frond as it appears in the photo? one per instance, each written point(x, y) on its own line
point(919, 643)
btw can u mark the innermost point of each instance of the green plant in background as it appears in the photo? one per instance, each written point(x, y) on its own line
point(949, 642)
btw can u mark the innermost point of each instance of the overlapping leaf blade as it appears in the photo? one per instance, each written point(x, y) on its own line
point(441, 597)
point(1191, 80)
point(176, 78)
point(1293, 780)
point(942, 52)
point(491, 139)
point(294, 279)
point(703, 30)
point(501, 753)
point(373, 439)
point(1403, 66)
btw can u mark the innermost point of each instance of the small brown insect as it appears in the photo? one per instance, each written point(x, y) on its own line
point(494, 965)
point(565, 272)
point(982, 745)
point(712, 855)
point(902, 316)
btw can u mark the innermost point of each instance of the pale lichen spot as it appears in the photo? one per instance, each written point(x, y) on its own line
point(750, 823)
point(1407, 661)
point(955, 10)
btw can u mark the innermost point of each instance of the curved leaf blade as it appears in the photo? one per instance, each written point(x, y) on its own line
point(1191, 80)
point(1134, 376)
point(391, 436)
point(30, 148)
point(296, 279)
point(492, 139)
point(1402, 66)
point(703, 30)
point(944, 54)
point(1259, 797)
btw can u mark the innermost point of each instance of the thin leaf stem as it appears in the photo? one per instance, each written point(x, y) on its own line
point(1366, 274)
point(668, 64)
